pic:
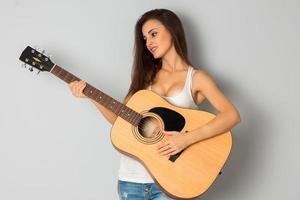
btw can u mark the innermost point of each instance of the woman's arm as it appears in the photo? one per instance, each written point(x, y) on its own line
point(109, 115)
point(227, 117)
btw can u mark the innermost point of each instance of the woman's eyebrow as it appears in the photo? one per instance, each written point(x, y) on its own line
point(151, 30)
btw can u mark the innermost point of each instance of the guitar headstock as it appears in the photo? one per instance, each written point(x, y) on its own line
point(36, 59)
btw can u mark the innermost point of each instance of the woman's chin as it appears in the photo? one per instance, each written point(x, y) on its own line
point(156, 56)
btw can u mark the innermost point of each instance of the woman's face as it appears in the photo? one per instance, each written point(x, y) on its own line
point(157, 38)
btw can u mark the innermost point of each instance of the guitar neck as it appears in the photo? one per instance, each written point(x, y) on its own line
point(100, 97)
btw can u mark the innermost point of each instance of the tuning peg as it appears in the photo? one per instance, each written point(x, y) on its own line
point(24, 65)
point(30, 69)
point(35, 47)
point(46, 54)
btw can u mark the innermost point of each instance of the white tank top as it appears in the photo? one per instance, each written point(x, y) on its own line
point(132, 170)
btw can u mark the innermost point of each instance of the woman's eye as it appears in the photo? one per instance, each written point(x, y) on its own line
point(154, 34)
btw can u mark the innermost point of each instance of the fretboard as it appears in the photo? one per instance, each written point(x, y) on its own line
point(93, 93)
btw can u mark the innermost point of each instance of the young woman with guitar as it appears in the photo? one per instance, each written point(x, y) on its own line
point(161, 65)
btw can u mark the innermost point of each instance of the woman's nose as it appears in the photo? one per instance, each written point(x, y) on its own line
point(149, 42)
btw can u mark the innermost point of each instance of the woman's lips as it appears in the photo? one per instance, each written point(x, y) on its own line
point(153, 49)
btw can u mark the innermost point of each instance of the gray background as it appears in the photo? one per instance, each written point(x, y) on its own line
point(54, 146)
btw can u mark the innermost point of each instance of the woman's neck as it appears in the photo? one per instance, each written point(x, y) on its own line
point(172, 62)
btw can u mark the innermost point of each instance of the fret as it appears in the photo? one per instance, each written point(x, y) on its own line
point(122, 113)
point(135, 117)
point(140, 117)
point(130, 115)
point(95, 94)
point(103, 99)
point(68, 76)
point(63, 74)
point(112, 105)
point(109, 102)
point(106, 101)
point(135, 122)
point(72, 79)
point(121, 108)
point(59, 72)
point(101, 95)
point(90, 91)
point(119, 105)
point(99, 98)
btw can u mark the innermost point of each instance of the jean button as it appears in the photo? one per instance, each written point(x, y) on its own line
point(147, 189)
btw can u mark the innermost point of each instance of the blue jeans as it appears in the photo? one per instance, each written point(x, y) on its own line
point(140, 191)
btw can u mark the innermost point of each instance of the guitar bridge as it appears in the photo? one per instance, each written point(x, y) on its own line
point(173, 158)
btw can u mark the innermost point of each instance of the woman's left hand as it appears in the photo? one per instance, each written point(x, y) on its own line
point(175, 143)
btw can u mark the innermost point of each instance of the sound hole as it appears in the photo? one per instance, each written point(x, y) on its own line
point(149, 127)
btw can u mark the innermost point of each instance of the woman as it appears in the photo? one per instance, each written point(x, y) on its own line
point(161, 64)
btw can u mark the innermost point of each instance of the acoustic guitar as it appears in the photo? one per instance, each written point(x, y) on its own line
point(139, 128)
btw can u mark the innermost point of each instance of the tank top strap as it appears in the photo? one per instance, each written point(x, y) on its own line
point(190, 78)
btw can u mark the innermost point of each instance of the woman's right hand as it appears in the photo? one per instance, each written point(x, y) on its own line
point(77, 87)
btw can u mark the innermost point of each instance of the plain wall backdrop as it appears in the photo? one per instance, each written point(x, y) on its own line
point(54, 146)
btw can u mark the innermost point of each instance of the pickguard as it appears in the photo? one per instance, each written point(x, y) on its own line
point(173, 121)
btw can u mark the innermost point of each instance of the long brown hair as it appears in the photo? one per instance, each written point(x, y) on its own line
point(145, 66)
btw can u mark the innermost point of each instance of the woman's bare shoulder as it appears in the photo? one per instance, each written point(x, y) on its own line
point(202, 79)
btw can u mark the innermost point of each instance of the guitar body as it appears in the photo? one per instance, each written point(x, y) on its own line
point(186, 175)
